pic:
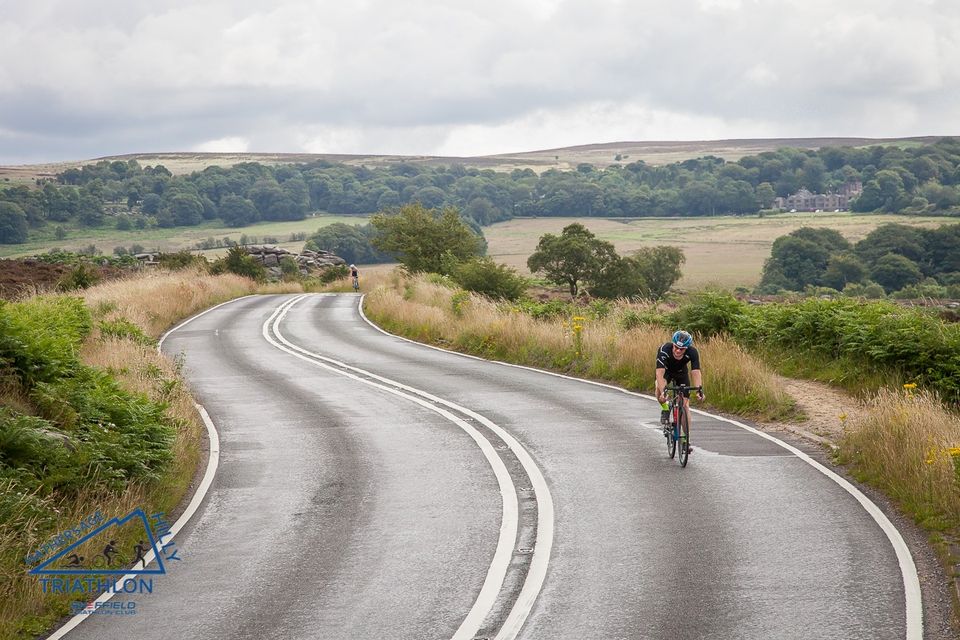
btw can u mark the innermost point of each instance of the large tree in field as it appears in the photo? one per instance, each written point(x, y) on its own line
point(426, 240)
point(800, 258)
point(572, 257)
point(648, 273)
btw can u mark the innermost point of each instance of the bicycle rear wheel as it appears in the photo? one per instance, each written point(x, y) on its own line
point(684, 437)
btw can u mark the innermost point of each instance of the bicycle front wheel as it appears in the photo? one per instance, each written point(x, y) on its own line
point(684, 437)
point(671, 442)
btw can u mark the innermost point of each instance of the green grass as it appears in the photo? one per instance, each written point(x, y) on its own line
point(167, 240)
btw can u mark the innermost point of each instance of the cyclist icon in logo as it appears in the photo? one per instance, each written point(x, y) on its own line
point(139, 549)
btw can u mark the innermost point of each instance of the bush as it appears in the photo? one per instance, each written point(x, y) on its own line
point(548, 309)
point(929, 288)
point(632, 319)
point(82, 276)
point(336, 272)
point(241, 263)
point(868, 289)
point(878, 336)
point(40, 338)
point(289, 268)
point(709, 313)
point(181, 260)
point(484, 276)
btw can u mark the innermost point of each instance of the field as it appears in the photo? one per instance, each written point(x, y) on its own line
point(173, 239)
point(727, 251)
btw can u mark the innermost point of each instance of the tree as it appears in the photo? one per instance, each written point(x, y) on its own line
point(425, 240)
point(13, 224)
point(660, 267)
point(843, 269)
point(794, 263)
point(186, 209)
point(890, 238)
point(649, 273)
point(765, 195)
point(151, 204)
point(829, 239)
point(351, 242)
point(894, 272)
point(572, 257)
point(482, 211)
point(237, 211)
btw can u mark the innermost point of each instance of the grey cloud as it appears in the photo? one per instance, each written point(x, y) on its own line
point(133, 76)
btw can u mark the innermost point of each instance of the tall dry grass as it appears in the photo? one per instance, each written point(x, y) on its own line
point(901, 442)
point(154, 301)
point(424, 310)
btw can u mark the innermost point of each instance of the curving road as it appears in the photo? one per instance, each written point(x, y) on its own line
point(370, 487)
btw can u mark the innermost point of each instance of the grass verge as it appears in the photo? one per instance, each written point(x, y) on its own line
point(592, 345)
point(126, 317)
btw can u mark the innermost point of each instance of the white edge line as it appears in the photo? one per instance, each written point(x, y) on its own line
point(509, 522)
point(908, 570)
point(213, 461)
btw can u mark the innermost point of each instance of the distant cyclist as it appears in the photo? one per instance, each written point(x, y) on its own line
point(672, 359)
point(355, 276)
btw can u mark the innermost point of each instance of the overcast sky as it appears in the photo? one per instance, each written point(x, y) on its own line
point(83, 79)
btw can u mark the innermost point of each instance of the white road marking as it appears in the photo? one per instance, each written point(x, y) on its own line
point(908, 570)
point(510, 516)
point(213, 461)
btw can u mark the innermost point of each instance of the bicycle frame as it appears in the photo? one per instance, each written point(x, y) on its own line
point(676, 439)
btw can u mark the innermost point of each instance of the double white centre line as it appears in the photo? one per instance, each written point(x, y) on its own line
point(493, 592)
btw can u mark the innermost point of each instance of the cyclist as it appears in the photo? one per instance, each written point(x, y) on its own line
point(355, 276)
point(672, 359)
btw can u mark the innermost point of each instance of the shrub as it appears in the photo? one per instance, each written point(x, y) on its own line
point(241, 263)
point(484, 276)
point(289, 268)
point(82, 276)
point(181, 260)
point(709, 313)
point(336, 272)
point(878, 336)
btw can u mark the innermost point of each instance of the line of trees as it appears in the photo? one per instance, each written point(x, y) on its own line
point(918, 179)
point(896, 257)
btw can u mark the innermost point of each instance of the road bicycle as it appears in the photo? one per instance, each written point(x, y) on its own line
point(356, 283)
point(678, 429)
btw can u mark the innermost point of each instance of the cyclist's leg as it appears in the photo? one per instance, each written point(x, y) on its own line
point(665, 414)
point(683, 378)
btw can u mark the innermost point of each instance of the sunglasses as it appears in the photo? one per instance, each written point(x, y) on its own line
point(679, 348)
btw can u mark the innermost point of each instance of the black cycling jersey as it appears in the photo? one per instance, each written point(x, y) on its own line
point(677, 369)
point(354, 273)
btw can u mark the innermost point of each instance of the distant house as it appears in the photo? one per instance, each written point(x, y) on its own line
point(804, 200)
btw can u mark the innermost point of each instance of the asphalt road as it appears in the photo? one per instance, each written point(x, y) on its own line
point(343, 510)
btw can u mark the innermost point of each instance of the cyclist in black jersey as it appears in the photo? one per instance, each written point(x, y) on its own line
point(672, 360)
point(355, 277)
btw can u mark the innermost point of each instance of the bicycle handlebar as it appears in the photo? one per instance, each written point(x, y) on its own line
point(682, 387)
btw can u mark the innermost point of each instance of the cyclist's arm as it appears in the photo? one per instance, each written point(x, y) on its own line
point(695, 377)
point(697, 381)
point(661, 383)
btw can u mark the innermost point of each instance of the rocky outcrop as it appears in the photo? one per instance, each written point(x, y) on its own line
point(309, 262)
